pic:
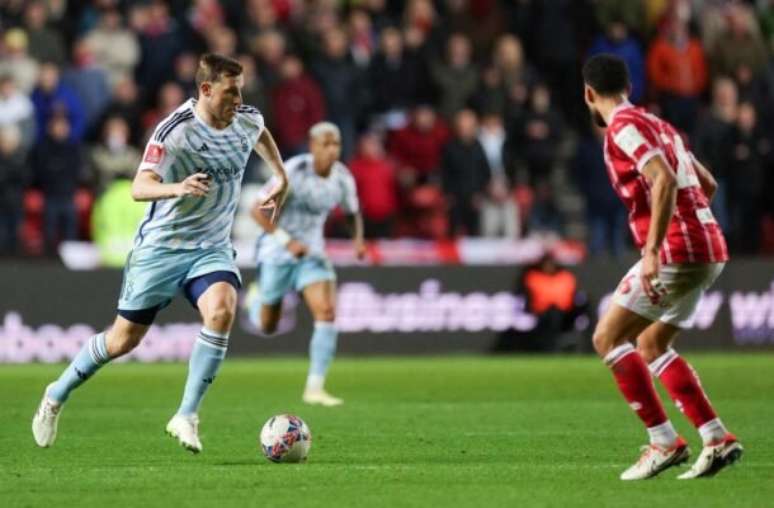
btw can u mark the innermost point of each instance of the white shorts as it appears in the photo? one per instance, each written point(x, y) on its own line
point(684, 283)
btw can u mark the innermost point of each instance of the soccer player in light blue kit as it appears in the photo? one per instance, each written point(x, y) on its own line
point(191, 174)
point(292, 256)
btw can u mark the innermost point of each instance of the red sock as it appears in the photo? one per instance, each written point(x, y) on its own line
point(684, 387)
point(634, 380)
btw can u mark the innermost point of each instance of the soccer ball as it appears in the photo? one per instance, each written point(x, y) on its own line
point(285, 438)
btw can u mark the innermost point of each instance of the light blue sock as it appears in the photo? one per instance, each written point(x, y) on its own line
point(207, 355)
point(89, 359)
point(322, 349)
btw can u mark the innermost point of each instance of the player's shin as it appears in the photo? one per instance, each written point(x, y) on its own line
point(89, 359)
point(322, 349)
point(635, 383)
point(207, 355)
point(684, 387)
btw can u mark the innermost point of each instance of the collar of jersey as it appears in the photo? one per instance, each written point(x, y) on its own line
point(624, 105)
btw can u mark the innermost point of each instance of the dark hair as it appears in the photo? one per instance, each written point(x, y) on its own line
point(606, 74)
point(212, 67)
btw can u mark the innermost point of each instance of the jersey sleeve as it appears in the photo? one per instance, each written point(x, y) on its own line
point(252, 120)
point(158, 156)
point(349, 201)
point(634, 142)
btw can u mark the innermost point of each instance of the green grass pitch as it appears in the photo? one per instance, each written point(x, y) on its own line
point(446, 432)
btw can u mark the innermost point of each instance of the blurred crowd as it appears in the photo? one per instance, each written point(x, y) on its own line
point(459, 117)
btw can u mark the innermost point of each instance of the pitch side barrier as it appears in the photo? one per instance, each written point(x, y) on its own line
point(46, 311)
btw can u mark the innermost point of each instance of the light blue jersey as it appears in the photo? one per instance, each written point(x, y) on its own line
point(311, 198)
point(184, 238)
point(181, 145)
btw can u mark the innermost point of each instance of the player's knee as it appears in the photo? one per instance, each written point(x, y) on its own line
point(220, 316)
point(649, 351)
point(603, 342)
point(325, 313)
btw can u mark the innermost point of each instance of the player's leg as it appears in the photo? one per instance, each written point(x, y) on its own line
point(721, 448)
point(121, 338)
point(215, 295)
point(321, 299)
point(266, 294)
point(612, 337)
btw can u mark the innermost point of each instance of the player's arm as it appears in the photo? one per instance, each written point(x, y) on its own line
point(266, 216)
point(267, 149)
point(663, 197)
point(148, 186)
point(708, 183)
point(358, 233)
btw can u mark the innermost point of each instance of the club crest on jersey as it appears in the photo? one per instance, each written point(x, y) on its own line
point(243, 140)
point(154, 154)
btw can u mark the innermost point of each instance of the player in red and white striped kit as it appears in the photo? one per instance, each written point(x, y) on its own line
point(667, 192)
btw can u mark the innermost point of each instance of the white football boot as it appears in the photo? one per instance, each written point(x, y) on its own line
point(185, 428)
point(45, 421)
point(655, 459)
point(321, 397)
point(714, 457)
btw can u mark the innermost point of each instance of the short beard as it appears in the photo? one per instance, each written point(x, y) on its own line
point(597, 117)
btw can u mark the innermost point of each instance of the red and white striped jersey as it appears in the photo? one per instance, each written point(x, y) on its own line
point(635, 136)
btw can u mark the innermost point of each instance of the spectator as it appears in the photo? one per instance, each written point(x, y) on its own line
point(630, 14)
point(17, 63)
point(456, 77)
point(417, 147)
point(466, 174)
point(14, 177)
point(752, 152)
point(492, 94)
point(125, 103)
point(298, 102)
point(340, 81)
point(52, 96)
point(272, 49)
point(113, 157)
point(186, 65)
point(170, 97)
point(509, 60)
point(45, 44)
point(499, 212)
point(161, 40)
point(678, 73)
point(222, 40)
point(740, 45)
point(362, 39)
point(540, 134)
point(714, 142)
point(375, 176)
point(553, 297)
point(605, 214)
point(393, 75)
point(259, 17)
point(16, 109)
point(57, 165)
point(115, 48)
point(89, 82)
point(618, 41)
point(254, 91)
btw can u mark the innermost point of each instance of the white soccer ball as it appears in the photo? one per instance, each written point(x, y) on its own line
point(285, 438)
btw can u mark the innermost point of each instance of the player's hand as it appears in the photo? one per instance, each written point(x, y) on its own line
point(360, 249)
point(649, 274)
point(197, 184)
point(297, 248)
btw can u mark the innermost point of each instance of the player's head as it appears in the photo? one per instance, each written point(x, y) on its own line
point(325, 143)
point(605, 77)
point(219, 81)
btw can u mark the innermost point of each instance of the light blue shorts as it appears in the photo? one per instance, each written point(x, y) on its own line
point(275, 280)
point(154, 275)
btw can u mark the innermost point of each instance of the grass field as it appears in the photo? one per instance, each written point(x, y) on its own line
point(446, 432)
